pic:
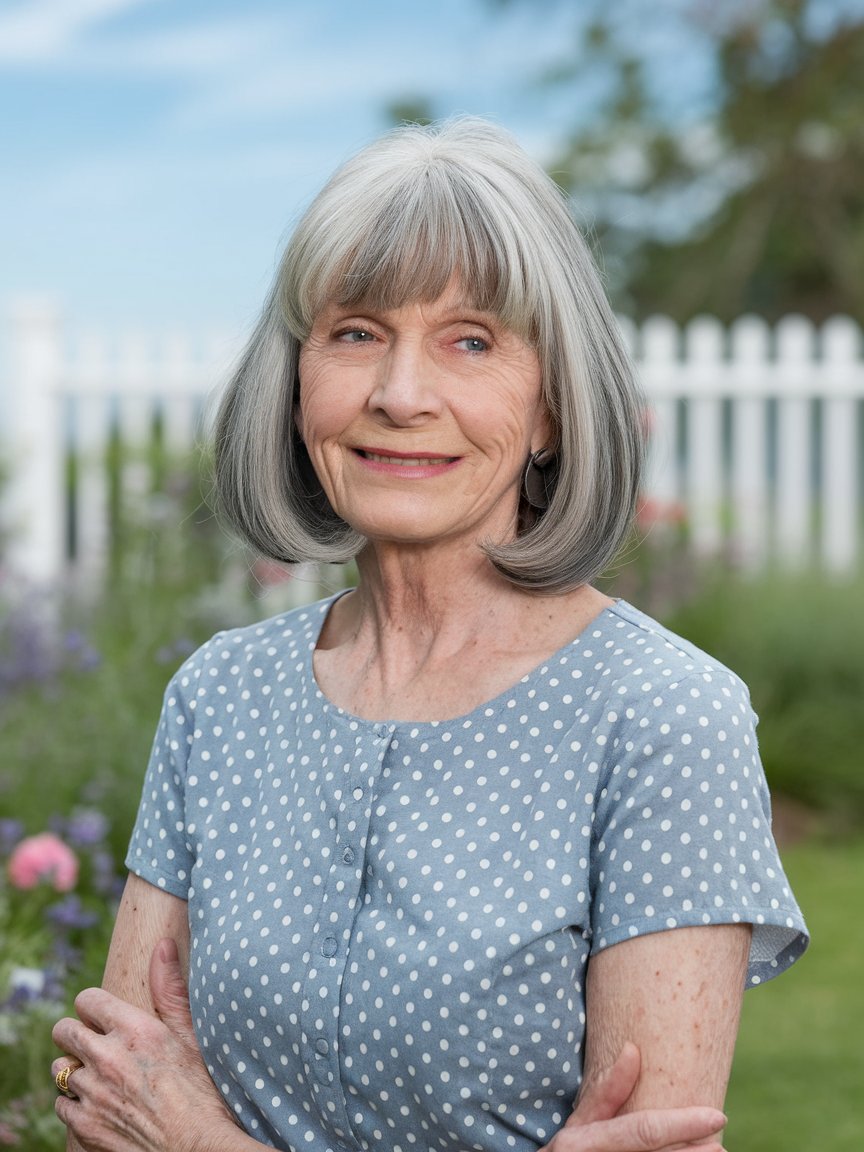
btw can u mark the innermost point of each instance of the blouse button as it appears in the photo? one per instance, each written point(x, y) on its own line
point(321, 1046)
point(329, 946)
point(348, 855)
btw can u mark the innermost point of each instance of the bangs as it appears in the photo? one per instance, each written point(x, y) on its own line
point(408, 244)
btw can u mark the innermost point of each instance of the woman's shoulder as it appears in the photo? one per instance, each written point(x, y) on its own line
point(285, 637)
point(649, 652)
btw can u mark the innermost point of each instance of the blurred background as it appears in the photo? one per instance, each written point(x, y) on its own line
point(153, 158)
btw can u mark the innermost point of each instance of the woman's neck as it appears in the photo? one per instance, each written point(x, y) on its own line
point(430, 636)
point(430, 592)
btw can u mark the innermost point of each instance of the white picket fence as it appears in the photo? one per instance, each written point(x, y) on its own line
point(756, 433)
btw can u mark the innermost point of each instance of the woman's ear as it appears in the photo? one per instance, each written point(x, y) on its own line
point(298, 420)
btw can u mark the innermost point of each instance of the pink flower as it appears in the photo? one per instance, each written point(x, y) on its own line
point(43, 858)
point(8, 1137)
point(652, 511)
point(269, 572)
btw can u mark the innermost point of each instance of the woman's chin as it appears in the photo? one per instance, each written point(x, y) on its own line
point(406, 535)
point(420, 529)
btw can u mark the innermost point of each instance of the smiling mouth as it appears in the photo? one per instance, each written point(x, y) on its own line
point(406, 461)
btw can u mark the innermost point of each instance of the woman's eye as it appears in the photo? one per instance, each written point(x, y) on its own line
point(473, 343)
point(355, 336)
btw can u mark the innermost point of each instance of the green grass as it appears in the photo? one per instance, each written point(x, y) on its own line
point(798, 1079)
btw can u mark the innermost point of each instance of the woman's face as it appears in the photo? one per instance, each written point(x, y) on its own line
point(419, 420)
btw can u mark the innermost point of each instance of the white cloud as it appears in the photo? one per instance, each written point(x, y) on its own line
point(313, 68)
point(43, 30)
point(199, 49)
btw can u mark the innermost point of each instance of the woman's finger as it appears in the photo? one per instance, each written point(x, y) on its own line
point(169, 991)
point(62, 1062)
point(75, 1039)
point(101, 1011)
point(651, 1130)
point(67, 1076)
point(605, 1095)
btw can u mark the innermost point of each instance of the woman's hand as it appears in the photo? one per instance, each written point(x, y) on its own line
point(596, 1126)
point(142, 1086)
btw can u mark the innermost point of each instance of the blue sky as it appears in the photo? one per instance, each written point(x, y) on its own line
point(154, 153)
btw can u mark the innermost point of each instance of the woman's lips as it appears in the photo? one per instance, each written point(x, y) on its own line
point(404, 464)
point(406, 461)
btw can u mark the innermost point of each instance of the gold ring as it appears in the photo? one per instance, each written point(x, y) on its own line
point(62, 1078)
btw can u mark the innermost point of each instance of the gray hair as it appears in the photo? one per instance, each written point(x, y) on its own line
point(408, 215)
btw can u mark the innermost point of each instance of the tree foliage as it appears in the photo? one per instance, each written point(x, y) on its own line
point(755, 202)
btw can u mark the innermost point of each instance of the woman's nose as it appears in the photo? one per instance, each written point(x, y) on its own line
point(406, 387)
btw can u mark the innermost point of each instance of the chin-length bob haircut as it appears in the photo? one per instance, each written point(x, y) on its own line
point(409, 215)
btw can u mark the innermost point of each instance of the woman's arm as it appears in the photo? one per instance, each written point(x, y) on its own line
point(146, 916)
point(143, 1083)
point(676, 995)
point(662, 1014)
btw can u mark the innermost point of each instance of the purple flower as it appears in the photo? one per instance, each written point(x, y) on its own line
point(179, 650)
point(11, 831)
point(25, 653)
point(55, 988)
point(66, 956)
point(88, 659)
point(86, 827)
point(104, 877)
point(71, 913)
point(76, 643)
point(25, 986)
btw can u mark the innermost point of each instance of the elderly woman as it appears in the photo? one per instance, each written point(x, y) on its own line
point(437, 851)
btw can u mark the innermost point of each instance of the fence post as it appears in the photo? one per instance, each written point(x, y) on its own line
point(92, 436)
point(661, 375)
point(794, 443)
point(839, 519)
point(704, 343)
point(35, 447)
point(749, 481)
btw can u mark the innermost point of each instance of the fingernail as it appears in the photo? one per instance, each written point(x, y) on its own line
point(167, 951)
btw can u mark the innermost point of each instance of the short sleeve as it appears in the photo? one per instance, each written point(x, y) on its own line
point(682, 831)
point(159, 851)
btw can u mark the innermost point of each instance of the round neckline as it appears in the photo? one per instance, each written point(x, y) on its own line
point(482, 709)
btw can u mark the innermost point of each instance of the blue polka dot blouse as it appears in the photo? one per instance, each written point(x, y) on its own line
point(390, 923)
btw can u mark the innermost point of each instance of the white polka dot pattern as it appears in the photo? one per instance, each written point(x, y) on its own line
point(391, 922)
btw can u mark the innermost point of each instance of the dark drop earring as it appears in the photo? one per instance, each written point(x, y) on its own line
point(538, 478)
